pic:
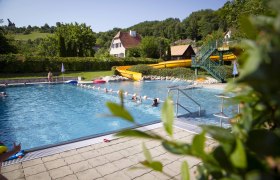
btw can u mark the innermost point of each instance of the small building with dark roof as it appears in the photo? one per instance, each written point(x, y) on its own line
point(123, 41)
point(181, 52)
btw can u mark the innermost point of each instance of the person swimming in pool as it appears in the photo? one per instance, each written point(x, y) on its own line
point(3, 94)
point(134, 97)
point(155, 102)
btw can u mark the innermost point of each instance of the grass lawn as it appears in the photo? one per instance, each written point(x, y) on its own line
point(31, 36)
point(86, 75)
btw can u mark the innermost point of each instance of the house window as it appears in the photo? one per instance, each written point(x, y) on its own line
point(120, 44)
point(117, 45)
point(112, 46)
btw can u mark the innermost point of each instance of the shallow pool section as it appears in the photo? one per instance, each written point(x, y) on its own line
point(40, 115)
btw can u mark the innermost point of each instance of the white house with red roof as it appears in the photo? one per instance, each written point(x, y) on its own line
point(123, 41)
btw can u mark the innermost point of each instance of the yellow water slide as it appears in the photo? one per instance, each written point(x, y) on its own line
point(129, 74)
point(167, 64)
point(172, 64)
point(227, 57)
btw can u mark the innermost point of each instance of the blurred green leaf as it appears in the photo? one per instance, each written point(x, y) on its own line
point(176, 147)
point(119, 111)
point(222, 158)
point(121, 97)
point(263, 21)
point(167, 116)
point(198, 145)
point(185, 171)
point(155, 165)
point(218, 133)
point(248, 28)
point(252, 58)
point(147, 154)
point(137, 133)
point(238, 157)
point(264, 143)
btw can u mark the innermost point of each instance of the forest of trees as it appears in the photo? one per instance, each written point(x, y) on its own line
point(199, 26)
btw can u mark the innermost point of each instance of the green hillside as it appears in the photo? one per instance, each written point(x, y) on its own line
point(31, 36)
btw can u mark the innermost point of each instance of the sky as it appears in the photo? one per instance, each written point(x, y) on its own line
point(101, 15)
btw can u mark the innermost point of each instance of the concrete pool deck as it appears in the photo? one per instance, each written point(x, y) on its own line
point(111, 160)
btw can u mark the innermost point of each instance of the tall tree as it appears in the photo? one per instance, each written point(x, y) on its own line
point(61, 46)
point(78, 39)
point(149, 47)
point(48, 47)
point(5, 43)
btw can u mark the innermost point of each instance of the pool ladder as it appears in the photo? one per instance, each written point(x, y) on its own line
point(180, 105)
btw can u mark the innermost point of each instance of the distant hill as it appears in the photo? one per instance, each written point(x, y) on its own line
point(170, 28)
point(32, 36)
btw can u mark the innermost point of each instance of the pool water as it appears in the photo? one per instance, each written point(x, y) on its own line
point(39, 115)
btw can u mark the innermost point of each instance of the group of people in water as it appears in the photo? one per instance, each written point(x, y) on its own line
point(135, 99)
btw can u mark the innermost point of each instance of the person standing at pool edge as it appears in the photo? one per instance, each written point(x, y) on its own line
point(50, 76)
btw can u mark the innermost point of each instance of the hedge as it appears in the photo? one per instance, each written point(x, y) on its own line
point(180, 72)
point(15, 63)
point(187, 73)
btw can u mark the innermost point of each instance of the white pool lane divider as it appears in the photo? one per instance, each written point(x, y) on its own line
point(105, 90)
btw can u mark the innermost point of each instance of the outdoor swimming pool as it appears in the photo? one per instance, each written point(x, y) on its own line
point(45, 114)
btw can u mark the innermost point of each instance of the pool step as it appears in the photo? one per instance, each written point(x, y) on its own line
point(193, 114)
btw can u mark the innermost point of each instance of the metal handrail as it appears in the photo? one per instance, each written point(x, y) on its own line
point(178, 104)
point(184, 108)
point(189, 97)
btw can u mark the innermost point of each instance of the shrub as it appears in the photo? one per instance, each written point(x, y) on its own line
point(114, 69)
point(180, 72)
point(141, 68)
point(16, 63)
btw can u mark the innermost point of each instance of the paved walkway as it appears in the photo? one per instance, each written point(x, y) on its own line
point(112, 160)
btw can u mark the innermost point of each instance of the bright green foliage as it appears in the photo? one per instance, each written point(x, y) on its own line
point(238, 157)
point(170, 28)
point(119, 111)
point(13, 63)
point(133, 52)
point(167, 116)
point(48, 47)
point(201, 23)
point(149, 47)
point(142, 68)
point(250, 149)
point(213, 36)
point(5, 44)
point(140, 134)
point(185, 171)
point(75, 40)
point(155, 165)
point(32, 36)
point(147, 154)
point(179, 72)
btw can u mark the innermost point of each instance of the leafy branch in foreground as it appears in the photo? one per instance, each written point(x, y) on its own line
point(251, 148)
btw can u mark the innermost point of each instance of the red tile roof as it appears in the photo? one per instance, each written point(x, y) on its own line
point(127, 40)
